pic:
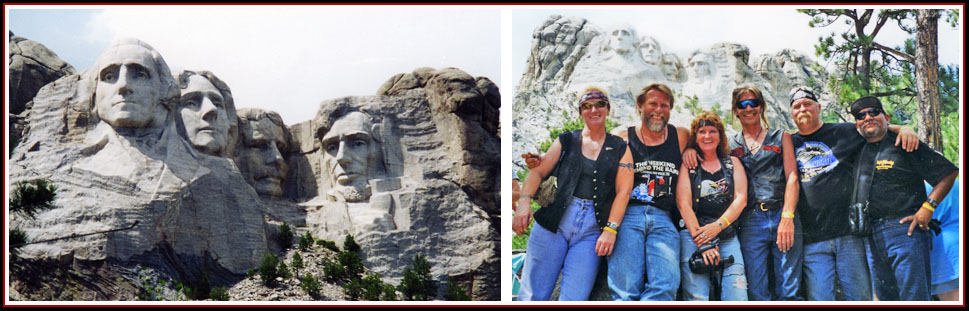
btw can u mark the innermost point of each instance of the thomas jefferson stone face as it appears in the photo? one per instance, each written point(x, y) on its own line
point(203, 115)
point(699, 66)
point(350, 151)
point(129, 88)
point(264, 166)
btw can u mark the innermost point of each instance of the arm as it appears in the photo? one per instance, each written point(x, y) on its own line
point(683, 135)
point(924, 215)
point(785, 230)
point(516, 193)
point(523, 213)
point(624, 186)
point(691, 158)
point(906, 137)
point(684, 201)
point(729, 216)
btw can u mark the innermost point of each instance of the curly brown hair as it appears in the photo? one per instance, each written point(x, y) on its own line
point(708, 118)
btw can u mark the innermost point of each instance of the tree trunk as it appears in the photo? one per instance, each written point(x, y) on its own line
point(927, 76)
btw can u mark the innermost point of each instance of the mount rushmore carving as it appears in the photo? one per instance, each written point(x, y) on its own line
point(411, 170)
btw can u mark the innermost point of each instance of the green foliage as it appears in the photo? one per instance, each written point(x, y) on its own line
point(350, 245)
point(31, 197)
point(283, 271)
point(389, 293)
point(570, 124)
point(417, 284)
point(305, 242)
point(202, 287)
point(268, 270)
point(372, 287)
point(352, 263)
point(333, 271)
point(310, 285)
point(219, 294)
point(251, 273)
point(328, 245)
point(297, 262)
point(17, 236)
point(455, 292)
point(692, 103)
point(285, 236)
point(154, 289)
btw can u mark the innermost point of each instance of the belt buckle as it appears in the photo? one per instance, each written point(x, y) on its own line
point(762, 206)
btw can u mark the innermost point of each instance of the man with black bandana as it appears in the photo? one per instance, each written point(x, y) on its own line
point(825, 156)
point(898, 254)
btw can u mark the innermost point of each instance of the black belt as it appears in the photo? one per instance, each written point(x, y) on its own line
point(766, 206)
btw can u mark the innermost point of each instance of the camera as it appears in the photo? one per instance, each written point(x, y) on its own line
point(699, 267)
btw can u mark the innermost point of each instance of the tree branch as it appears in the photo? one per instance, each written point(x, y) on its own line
point(898, 53)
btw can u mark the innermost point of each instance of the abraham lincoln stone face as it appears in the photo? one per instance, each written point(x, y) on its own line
point(350, 153)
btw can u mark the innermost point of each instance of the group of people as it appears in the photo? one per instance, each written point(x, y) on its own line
point(691, 214)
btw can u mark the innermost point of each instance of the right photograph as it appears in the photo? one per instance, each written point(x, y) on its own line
point(736, 153)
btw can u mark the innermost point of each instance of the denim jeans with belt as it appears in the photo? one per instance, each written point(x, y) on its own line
point(570, 250)
point(758, 242)
point(696, 287)
point(643, 264)
point(900, 263)
point(838, 259)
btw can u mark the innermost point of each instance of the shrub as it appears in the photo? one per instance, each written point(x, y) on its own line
point(297, 263)
point(328, 245)
point(267, 271)
point(283, 271)
point(350, 245)
point(305, 242)
point(219, 294)
point(455, 292)
point(352, 263)
point(202, 287)
point(372, 287)
point(310, 285)
point(285, 236)
point(416, 284)
point(332, 270)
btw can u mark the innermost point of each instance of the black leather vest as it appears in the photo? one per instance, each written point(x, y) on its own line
point(765, 170)
point(604, 179)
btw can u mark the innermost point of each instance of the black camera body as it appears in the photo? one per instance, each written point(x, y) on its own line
point(699, 267)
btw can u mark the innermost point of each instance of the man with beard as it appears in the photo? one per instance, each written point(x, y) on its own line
point(899, 254)
point(825, 160)
point(647, 226)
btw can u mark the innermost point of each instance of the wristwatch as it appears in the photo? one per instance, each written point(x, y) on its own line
point(612, 225)
point(932, 202)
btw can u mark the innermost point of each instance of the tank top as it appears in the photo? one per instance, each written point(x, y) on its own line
point(584, 189)
point(656, 170)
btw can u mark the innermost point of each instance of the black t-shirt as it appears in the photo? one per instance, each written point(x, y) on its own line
point(896, 186)
point(656, 170)
point(715, 194)
point(825, 163)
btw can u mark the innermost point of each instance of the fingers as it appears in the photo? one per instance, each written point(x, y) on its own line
point(911, 227)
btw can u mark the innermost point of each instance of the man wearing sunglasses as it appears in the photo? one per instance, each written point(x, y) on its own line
point(826, 155)
point(897, 204)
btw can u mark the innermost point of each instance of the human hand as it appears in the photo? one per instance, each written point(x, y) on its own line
point(523, 217)
point(532, 160)
point(712, 256)
point(907, 139)
point(605, 244)
point(920, 219)
point(706, 233)
point(691, 158)
point(785, 234)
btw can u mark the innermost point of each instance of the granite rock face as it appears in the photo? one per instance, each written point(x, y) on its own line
point(432, 191)
point(412, 170)
point(570, 54)
point(31, 67)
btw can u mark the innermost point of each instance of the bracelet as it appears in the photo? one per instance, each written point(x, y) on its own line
point(525, 196)
point(725, 219)
point(610, 230)
point(928, 207)
point(787, 215)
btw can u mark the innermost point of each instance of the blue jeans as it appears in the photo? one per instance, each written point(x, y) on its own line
point(900, 263)
point(696, 287)
point(570, 250)
point(640, 267)
point(839, 259)
point(758, 241)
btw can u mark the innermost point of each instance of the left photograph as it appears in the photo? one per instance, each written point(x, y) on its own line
point(253, 153)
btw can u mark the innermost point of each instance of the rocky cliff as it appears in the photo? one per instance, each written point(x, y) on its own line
point(569, 54)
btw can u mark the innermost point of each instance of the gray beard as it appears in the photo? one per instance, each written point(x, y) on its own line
point(655, 126)
point(349, 194)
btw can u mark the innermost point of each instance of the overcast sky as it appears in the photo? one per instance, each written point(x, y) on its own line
point(683, 29)
point(283, 58)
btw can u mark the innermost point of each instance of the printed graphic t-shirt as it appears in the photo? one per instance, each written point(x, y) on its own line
point(825, 163)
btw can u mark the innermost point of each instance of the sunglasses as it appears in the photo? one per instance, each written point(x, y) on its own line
point(873, 112)
point(588, 105)
point(748, 103)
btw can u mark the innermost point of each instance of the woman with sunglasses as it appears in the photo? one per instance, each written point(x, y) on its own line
point(710, 199)
point(770, 233)
point(571, 234)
